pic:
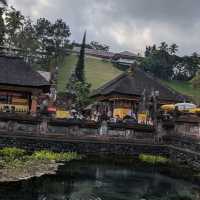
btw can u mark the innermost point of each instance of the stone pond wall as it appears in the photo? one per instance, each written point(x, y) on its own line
point(83, 146)
point(88, 138)
point(178, 155)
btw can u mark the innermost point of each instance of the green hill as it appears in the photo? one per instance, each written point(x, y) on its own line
point(97, 71)
point(185, 88)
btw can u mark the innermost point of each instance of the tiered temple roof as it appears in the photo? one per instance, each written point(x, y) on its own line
point(15, 72)
point(134, 83)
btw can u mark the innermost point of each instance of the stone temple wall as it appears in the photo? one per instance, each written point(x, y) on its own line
point(74, 129)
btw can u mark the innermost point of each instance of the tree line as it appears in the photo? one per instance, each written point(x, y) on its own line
point(42, 39)
point(163, 62)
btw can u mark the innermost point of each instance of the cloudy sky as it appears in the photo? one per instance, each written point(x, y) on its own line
point(124, 24)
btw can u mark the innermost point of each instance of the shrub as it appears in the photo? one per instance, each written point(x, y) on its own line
point(48, 155)
point(13, 153)
point(153, 159)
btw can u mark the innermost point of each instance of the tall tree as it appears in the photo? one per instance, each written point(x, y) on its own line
point(173, 49)
point(163, 47)
point(78, 85)
point(14, 24)
point(27, 40)
point(79, 71)
point(43, 32)
point(158, 61)
point(2, 27)
point(61, 32)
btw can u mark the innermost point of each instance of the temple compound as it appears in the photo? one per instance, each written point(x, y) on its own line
point(20, 86)
point(122, 95)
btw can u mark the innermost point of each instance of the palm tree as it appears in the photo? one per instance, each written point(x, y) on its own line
point(4, 2)
point(173, 49)
point(163, 46)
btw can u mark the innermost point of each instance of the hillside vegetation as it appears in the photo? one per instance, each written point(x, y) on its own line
point(97, 71)
point(185, 88)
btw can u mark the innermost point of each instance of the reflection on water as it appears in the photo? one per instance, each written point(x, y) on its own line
point(80, 181)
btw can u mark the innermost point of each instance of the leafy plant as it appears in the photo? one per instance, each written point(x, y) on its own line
point(48, 155)
point(13, 153)
point(151, 159)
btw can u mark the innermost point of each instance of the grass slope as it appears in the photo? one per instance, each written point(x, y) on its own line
point(185, 88)
point(97, 71)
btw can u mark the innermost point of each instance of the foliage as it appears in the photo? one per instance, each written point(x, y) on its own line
point(12, 153)
point(165, 64)
point(38, 42)
point(53, 38)
point(79, 71)
point(78, 85)
point(28, 41)
point(14, 24)
point(48, 155)
point(2, 27)
point(14, 157)
point(151, 159)
point(82, 91)
point(158, 61)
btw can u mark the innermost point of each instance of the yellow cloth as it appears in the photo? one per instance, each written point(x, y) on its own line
point(194, 110)
point(60, 114)
point(121, 112)
point(168, 107)
point(142, 118)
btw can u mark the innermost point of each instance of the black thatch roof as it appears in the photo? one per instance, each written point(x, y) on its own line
point(134, 83)
point(14, 71)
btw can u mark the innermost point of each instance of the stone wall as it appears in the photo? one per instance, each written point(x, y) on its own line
point(178, 155)
point(188, 129)
point(82, 146)
point(185, 157)
point(73, 128)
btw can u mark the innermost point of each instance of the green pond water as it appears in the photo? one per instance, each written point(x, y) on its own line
point(83, 181)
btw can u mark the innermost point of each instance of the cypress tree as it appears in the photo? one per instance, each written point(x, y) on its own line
point(2, 27)
point(79, 71)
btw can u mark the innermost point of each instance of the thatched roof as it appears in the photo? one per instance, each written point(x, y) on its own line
point(14, 71)
point(134, 83)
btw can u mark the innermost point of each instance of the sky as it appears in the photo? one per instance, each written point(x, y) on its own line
point(124, 24)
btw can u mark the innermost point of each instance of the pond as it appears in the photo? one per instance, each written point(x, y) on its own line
point(83, 181)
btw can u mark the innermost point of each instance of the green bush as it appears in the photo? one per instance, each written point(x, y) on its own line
point(13, 153)
point(48, 155)
point(151, 159)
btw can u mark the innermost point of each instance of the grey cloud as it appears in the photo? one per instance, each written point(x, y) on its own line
point(125, 24)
